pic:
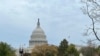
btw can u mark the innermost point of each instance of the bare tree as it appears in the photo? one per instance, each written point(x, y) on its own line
point(90, 48)
point(92, 9)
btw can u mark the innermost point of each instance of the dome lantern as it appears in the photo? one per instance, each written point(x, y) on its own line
point(38, 23)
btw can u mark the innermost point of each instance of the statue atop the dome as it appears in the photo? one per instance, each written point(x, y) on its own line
point(38, 23)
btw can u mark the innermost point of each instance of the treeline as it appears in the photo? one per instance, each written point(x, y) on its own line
point(64, 49)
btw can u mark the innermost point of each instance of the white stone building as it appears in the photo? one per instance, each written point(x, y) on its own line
point(38, 37)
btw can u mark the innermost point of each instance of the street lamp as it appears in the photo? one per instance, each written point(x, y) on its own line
point(21, 51)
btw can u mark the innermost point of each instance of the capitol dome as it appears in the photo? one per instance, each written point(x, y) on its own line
point(38, 31)
point(38, 36)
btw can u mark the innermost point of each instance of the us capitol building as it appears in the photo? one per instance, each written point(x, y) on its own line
point(38, 37)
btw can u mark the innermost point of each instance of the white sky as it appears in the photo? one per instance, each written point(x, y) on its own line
point(59, 19)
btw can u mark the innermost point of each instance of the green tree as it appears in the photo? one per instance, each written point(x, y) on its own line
point(6, 50)
point(62, 49)
point(98, 50)
point(72, 51)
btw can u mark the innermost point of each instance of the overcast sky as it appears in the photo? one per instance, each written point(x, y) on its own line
point(59, 19)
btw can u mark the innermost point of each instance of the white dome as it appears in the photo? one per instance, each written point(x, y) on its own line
point(38, 36)
point(38, 30)
point(38, 33)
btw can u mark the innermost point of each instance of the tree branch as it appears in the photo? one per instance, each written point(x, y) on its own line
point(93, 23)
